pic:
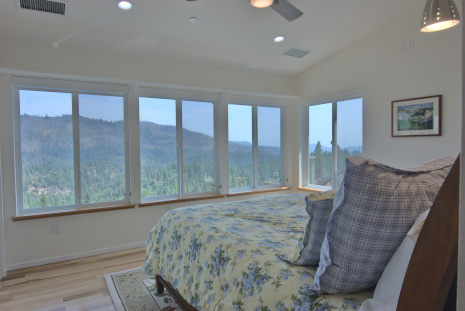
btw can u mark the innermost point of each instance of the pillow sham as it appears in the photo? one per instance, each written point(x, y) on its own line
point(387, 292)
point(319, 207)
point(373, 211)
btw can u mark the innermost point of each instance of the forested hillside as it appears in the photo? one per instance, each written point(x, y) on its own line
point(48, 163)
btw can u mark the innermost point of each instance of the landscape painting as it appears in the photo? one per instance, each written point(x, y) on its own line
point(417, 116)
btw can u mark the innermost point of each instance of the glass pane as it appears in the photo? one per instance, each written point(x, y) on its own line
point(269, 145)
point(240, 146)
point(46, 149)
point(102, 150)
point(320, 120)
point(158, 155)
point(349, 132)
point(198, 147)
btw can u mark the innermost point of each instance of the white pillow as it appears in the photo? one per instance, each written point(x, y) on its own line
point(388, 289)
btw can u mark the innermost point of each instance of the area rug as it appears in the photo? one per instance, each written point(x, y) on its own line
point(133, 290)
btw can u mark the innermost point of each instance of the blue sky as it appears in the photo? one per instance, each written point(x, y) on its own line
point(268, 124)
point(198, 116)
point(349, 123)
point(41, 103)
point(55, 104)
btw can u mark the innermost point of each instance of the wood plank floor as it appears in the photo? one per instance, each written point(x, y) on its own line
point(74, 285)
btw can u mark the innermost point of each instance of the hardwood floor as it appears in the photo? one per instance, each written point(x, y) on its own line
point(74, 285)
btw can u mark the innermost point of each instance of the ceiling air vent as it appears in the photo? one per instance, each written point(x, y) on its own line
point(54, 7)
point(296, 52)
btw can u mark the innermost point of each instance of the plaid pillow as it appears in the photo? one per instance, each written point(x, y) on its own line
point(319, 207)
point(373, 211)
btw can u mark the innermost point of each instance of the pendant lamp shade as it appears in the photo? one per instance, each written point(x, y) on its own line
point(261, 3)
point(439, 15)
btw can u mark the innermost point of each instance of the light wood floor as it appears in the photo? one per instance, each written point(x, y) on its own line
point(66, 286)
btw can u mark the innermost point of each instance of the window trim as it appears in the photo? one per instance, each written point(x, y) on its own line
point(332, 98)
point(74, 88)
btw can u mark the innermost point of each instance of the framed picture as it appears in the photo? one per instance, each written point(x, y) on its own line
point(417, 116)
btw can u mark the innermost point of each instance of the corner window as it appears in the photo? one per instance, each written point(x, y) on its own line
point(70, 144)
point(335, 132)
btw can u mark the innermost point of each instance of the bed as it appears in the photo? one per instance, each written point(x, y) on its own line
point(238, 255)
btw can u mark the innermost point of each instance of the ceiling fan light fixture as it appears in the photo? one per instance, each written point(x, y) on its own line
point(439, 15)
point(261, 3)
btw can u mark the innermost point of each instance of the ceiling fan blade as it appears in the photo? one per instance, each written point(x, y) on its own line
point(286, 10)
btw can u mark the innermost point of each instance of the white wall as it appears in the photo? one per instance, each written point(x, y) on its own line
point(32, 242)
point(377, 65)
point(42, 57)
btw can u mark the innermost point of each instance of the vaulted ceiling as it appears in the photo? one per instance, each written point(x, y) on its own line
point(229, 33)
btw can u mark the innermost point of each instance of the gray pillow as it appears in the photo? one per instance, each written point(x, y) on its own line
point(319, 207)
point(373, 211)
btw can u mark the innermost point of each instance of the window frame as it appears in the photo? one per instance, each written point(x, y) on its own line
point(179, 96)
point(256, 102)
point(75, 88)
point(304, 130)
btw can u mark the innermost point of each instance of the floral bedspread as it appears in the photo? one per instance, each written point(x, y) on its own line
point(230, 256)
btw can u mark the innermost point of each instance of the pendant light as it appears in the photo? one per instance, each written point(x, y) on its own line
point(261, 3)
point(439, 15)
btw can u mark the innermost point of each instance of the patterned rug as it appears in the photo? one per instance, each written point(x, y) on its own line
point(133, 290)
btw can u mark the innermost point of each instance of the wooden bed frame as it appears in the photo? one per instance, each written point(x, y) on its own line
point(429, 282)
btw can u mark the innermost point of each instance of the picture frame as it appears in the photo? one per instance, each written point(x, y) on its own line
point(419, 116)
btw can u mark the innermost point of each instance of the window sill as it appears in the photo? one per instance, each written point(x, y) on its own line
point(172, 201)
point(153, 203)
point(308, 189)
point(235, 194)
point(72, 212)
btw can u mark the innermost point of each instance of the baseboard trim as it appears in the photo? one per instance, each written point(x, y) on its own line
point(45, 261)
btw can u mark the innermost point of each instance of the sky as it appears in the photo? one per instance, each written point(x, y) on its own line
point(268, 124)
point(198, 116)
point(56, 104)
point(349, 123)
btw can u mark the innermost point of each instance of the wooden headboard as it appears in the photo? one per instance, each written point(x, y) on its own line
point(433, 265)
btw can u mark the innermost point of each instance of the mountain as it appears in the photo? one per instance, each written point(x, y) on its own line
point(243, 143)
point(48, 161)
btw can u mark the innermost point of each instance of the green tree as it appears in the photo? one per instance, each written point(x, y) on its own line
point(320, 163)
point(44, 201)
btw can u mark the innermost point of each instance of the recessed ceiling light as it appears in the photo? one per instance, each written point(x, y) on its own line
point(279, 39)
point(124, 5)
point(192, 19)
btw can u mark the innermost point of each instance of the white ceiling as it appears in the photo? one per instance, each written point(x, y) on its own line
point(228, 33)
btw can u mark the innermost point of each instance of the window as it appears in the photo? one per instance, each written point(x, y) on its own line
point(177, 143)
point(255, 151)
point(335, 132)
point(71, 148)
point(241, 160)
point(158, 151)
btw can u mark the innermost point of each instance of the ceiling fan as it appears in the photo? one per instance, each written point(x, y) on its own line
point(283, 8)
